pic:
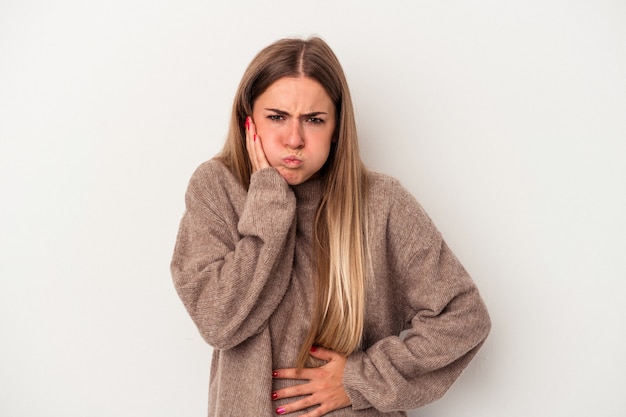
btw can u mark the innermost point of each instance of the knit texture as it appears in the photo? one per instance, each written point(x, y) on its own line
point(242, 267)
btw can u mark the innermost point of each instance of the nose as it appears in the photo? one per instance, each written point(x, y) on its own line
point(295, 136)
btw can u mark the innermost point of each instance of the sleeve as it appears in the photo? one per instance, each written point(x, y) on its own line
point(231, 273)
point(446, 318)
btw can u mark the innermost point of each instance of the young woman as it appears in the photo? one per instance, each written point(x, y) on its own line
point(302, 268)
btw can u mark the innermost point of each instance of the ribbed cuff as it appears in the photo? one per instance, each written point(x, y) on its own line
point(350, 378)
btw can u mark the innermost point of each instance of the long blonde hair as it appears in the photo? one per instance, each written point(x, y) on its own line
point(340, 238)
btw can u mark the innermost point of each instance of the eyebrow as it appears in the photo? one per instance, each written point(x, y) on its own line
point(284, 113)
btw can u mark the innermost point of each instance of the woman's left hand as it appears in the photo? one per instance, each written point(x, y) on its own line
point(324, 387)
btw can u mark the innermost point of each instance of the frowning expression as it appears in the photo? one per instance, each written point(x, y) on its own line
point(295, 120)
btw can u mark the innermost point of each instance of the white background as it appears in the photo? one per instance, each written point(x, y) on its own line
point(507, 120)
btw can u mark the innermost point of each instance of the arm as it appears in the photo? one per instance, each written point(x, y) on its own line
point(446, 317)
point(231, 273)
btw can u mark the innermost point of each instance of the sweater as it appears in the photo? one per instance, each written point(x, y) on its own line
point(242, 268)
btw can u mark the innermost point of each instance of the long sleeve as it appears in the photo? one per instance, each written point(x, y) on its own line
point(234, 252)
point(444, 317)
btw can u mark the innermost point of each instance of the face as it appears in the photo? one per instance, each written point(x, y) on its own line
point(295, 120)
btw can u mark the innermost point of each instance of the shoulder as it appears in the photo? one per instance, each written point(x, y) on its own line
point(378, 179)
point(385, 190)
point(211, 169)
point(213, 185)
point(391, 204)
point(213, 175)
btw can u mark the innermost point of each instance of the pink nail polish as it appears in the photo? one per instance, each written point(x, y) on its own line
point(274, 396)
point(280, 410)
point(255, 138)
point(247, 124)
point(313, 349)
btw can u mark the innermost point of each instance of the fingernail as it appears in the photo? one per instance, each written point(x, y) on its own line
point(313, 349)
point(274, 395)
point(255, 138)
point(280, 410)
point(274, 374)
point(247, 124)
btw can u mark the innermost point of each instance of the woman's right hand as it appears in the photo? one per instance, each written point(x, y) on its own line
point(254, 147)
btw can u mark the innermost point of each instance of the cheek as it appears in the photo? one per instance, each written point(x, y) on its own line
point(265, 130)
point(271, 146)
point(260, 124)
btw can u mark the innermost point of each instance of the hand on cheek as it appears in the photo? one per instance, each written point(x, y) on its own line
point(254, 147)
point(323, 389)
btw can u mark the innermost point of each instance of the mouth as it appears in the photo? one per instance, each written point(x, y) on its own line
point(292, 161)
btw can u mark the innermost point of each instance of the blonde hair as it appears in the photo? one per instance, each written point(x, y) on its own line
point(340, 238)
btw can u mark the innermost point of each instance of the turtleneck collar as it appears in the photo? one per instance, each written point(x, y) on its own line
point(309, 191)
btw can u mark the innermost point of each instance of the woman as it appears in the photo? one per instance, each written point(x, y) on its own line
point(301, 268)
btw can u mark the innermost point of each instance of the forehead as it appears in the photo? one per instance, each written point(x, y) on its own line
point(300, 92)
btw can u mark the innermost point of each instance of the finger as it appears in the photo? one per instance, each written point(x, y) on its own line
point(295, 373)
point(298, 405)
point(255, 147)
point(250, 134)
point(260, 153)
point(294, 391)
point(326, 402)
point(250, 127)
point(325, 354)
point(250, 138)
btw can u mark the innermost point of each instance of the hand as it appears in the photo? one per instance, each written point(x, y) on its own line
point(324, 386)
point(254, 147)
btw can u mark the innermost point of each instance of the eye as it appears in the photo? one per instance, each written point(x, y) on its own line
point(276, 117)
point(315, 120)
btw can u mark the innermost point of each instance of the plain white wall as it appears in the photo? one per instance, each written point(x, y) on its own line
point(507, 120)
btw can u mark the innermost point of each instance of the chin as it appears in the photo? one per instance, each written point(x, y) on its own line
point(294, 182)
point(294, 179)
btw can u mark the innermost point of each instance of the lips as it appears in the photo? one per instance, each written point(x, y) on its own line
point(292, 161)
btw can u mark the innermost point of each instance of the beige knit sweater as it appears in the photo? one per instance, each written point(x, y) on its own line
point(242, 268)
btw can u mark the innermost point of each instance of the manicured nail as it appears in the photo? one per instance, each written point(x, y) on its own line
point(255, 138)
point(313, 349)
point(274, 395)
point(280, 410)
point(247, 124)
point(274, 374)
